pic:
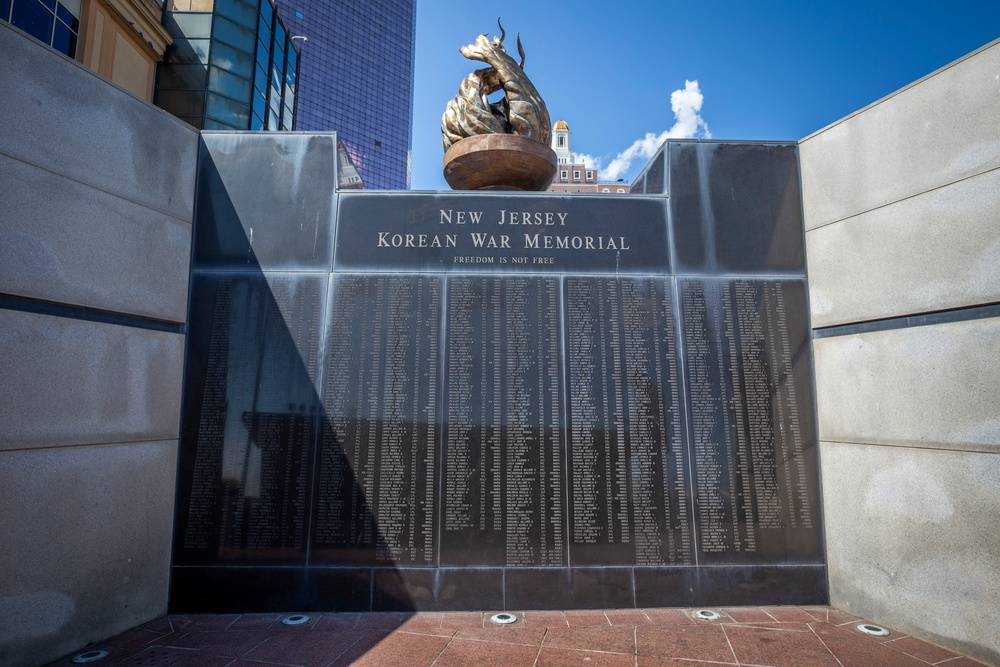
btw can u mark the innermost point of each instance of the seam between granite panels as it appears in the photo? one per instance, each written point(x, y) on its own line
point(928, 318)
point(188, 222)
point(897, 201)
point(16, 303)
point(963, 448)
point(90, 444)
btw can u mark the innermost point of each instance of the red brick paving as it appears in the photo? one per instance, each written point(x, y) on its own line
point(751, 636)
point(705, 641)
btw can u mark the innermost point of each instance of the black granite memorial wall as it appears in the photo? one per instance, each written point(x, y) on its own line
point(484, 401)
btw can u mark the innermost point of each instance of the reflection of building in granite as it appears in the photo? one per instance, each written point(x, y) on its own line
point(574, 176)
point(232, 66)
point(121, 40)
point(348, 177)
point(356, 78)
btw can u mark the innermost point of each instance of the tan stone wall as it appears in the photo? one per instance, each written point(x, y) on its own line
point(901, 202)
point(98, 201)
point(126, 54)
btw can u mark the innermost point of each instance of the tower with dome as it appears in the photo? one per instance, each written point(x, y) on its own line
point(572, 176)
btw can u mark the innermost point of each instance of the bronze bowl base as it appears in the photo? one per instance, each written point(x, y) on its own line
point(499, 162)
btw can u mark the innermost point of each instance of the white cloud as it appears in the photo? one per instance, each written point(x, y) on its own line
point(592, 161)
point(686, 104)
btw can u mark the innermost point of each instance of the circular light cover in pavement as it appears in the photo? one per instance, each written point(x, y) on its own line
point(503, 618)
point(297, 619)
point(93, 655)
point(873, 630)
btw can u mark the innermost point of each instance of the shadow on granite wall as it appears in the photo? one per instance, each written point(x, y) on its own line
point(271, 515)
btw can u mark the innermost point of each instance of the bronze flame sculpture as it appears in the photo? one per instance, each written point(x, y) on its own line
point(503, 145)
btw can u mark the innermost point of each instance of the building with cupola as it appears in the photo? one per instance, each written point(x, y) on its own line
point(577, 177)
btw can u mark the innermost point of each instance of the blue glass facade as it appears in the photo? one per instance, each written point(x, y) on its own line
point(233, 68)
point(56, 24)
point(356, 78)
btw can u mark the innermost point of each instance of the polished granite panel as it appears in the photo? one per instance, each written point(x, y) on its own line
point(67, 382)
point(569, 588)
point(115, 255)
point(376, 477)
point(730, 585)
point(628, 464)
point(742, 585)
point(197, 590)
point(666, 586)
point(736, 208)
point(503, 450)
point(752, 434)
point(338, 589)
point(250, 418)
point(425, 426)
point(654, 175)
point(86, 548)
point(66, 119)
point(440, 589)
point(508, 233)
point(265, 201)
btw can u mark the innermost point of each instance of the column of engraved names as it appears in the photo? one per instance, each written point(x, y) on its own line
point(249, 482)
point(710, 402)
point(472, 443)
point(586, 411)
point(628, 469)
point(593, 388)
point(774, 432)
point(502, 463)
point(658, 489)
point(244, 326)
point(342, 516)
point(755, 364)
point(202, 529)
point(531, 440)
point(745, 499)
point(408, 392)
point(801, 507)
point(280, 421)
point(376, 473)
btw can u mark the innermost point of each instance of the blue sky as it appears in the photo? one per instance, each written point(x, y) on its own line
point(765, 70)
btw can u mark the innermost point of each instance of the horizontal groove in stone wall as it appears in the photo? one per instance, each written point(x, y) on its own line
point(964, 314)
point(26, 305)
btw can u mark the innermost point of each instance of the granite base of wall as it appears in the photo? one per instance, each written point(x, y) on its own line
point(913, 541)
point(92, 556)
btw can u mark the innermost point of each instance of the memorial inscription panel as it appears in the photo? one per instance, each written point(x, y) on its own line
point(472, 233)
point(250, 422)
point(375, 468)
point(628, 475)
point(502, 473)
point(506, 399)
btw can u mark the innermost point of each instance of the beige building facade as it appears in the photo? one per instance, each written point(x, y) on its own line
point(122, 40)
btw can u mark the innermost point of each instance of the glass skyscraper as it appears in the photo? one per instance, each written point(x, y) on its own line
point(232, 66)
point(356, 78)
